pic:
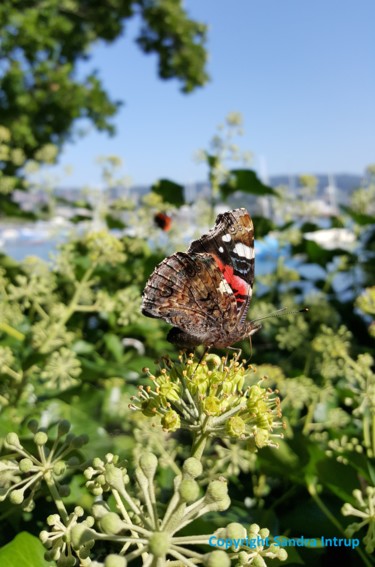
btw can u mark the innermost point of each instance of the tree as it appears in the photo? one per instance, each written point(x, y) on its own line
point(41, 43)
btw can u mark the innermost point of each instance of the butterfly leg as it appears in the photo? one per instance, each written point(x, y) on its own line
point(206, 351)
point(237, 350)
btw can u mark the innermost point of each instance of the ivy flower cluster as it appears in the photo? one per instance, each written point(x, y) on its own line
point(365, 511)
point(366, 302)
point(144, 528)
point(210, 400)
point(22, 471)
point(249, 547)
point(127, 511)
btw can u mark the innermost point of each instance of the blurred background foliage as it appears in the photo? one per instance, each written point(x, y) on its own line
point(73, 343)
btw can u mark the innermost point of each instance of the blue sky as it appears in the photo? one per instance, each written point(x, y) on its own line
point(302, 74)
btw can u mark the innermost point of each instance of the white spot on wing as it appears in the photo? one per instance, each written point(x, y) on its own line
point(221, 249)
point(226, 238)
point(224, 287)
point(244, 251)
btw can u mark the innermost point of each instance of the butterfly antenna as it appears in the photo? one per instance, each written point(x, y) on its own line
point(281, 312)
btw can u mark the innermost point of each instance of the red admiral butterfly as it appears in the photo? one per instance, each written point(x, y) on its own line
point(205, 293)
point(163, 221)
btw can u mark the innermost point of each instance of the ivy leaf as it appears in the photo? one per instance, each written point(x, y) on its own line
point(360, 218)
point(245, 180)
point(170, 192)
point(25, 550)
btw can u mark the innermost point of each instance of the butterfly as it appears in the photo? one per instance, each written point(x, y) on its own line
point(163, 221)
point(205, 293)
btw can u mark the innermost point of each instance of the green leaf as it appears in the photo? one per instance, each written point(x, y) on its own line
point(170, 192)
point(115, 346)
point(113, 222)
point(263, 226)
point(245, 180)
point(25, 550)
point(359, 218)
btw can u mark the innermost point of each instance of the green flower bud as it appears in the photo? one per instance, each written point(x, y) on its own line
point(217, 558)
point(89, 473)
point(169, 390)
point(282, 554)
point(44, 536)
point(81, 535)
point(63, 427)
point(213, 361)
point(148, 463)
point(12, 441)
point(221, 505)
point(243, 558)
point(59, 468)
point(66, 561)
point(261, 437)
point(258, 561)
point(212, 406)
point(235, 426)
point(53, 519)
point(256, 394)
point(113, 560)
point(159, 543)
point(217, 490)
point(16, 497)
point(264, 533)
point(111, 523)
point(99, 509)
point(40, 438)
point(171, 421)
point(189, 490)
point(192, 467)
point(254, 530)
point(114, 477)
point(150, 407)
point(264, 421)
point(85, 551)
point(236, 531)
point(25, 465)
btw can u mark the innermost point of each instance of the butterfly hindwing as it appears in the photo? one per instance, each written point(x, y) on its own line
point(189, 292)
point(231, 244)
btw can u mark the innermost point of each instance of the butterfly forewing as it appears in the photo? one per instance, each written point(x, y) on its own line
point(231, 243)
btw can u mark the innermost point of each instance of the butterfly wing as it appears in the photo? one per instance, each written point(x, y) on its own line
point(231, 244)
point(189, 292)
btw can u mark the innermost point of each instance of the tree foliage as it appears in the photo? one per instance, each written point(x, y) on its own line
point(41, 43)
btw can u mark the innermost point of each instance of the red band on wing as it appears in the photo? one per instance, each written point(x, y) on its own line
point(238, 285)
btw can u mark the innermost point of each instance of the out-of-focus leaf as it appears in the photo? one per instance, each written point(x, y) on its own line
point(113, 222)
point(263, 226)
point(359, 218)
point(245, 180)
point(25, 550)
point(114, 345)
point(309, 227)
point(170, 192)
